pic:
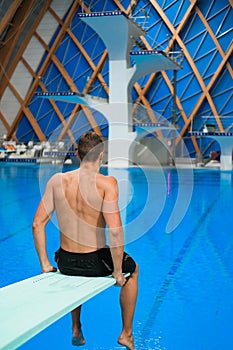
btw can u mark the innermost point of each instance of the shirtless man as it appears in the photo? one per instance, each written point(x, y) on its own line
point(86, 202)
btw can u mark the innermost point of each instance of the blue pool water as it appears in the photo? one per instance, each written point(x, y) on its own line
point(186, 276)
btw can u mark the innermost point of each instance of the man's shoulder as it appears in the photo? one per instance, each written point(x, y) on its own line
point(55, 177)
point(67, 174)
point(107, 180)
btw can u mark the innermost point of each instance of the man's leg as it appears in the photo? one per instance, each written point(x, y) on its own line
point(78, 338)
point(128, 299)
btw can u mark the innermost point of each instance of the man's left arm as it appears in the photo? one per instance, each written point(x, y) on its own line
point(41, 218)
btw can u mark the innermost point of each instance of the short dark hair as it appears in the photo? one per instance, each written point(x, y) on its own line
point(90, 146)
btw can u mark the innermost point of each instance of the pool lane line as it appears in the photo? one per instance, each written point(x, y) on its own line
point(171, 273)
point(219, 259)
point(12, 234)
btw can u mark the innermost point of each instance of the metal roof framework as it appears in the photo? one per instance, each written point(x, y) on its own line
point(202, 30)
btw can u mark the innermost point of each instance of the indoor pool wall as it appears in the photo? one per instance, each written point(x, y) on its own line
point(186, 277)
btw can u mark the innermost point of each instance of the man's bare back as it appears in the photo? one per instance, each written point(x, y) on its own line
point(81, 206)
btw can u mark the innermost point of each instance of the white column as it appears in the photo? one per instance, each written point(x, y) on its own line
point(119, 116)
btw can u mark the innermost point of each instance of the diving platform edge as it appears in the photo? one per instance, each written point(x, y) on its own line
point(39, 301)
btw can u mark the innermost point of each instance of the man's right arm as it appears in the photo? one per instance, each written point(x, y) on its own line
point(41, 218)
point(115, 231)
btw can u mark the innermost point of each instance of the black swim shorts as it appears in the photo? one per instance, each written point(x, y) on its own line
point(94, 264)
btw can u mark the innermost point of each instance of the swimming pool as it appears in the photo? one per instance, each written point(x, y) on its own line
point(186, 276)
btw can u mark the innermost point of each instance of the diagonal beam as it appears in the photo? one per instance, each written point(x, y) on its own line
point(192, 65)
point(86, 110)
point(121, 8)
point(145, 89)
point(170, 45)
point(17, 57)
point(6, 124)
point(84, 53)
point(45, 64)
point(28, 115)
point(131, 7)
point(13, 34)
point(73, 87)
point(4, 121)
point(9, 15)
point(96, 74)
point(179, 105)
point(89, 60)
point(52, 102)
point(215, 40)
point(181, 25)
point(211, 83)
point(147, 105)
point(142, 92)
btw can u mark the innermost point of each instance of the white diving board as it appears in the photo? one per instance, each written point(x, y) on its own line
point(29, 306)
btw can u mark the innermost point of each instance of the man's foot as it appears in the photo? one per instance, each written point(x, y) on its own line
point(78, 338)
point(127, 341)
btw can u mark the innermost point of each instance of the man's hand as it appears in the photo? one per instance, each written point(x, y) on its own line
point(120, 279)
point(49, 268)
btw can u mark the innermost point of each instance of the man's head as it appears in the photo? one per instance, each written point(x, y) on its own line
point(90, 146)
